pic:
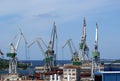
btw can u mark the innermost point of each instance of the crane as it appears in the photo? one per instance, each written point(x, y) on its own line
point(96, 53)
point(75, 56)
point(50, 50)
point(84, 55)
point(13, 52)
point(47, 66)
point(1, 53)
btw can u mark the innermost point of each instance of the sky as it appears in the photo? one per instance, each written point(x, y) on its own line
point(36, 17)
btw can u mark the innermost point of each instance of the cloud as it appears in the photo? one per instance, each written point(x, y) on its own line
point(46, 15)
point(63, 10)
point(10, 17)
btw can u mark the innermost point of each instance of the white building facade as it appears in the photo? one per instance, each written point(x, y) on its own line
point(71, 73)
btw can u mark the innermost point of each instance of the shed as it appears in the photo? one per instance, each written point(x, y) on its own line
point(107, 76)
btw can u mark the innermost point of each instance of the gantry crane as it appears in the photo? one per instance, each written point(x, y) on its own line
point(96, 53)
point(47, 66)
point(75, 56)
point(50, 51)
point(84, 54)
point(13, 53)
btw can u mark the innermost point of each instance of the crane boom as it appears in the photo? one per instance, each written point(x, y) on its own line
point(50, 50)
point(75, 56)
point(74, 47)
point(96, 38)
point(84, 54)
point(17, 44)
point(20, 37)
point(23, 36)
point(52, 38)
point(40, 47)
point(31, 44)
point(69, 44)
point(96, 53)
point(43, 42)
point(37, 41)
point(47, 66)
point(84, 31)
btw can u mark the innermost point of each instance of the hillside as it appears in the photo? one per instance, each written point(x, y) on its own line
point(4, 64)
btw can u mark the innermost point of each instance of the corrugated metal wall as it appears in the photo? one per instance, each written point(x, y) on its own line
point(107, 77)
point(111, 77)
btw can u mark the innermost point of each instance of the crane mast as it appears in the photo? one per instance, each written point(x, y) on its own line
point(96, 53)
point(50, 50)
point(75, 58)
point(12, 54)
point(96, 38)
point(84, 54)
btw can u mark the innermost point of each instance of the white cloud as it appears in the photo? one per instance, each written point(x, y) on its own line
point(64, 9)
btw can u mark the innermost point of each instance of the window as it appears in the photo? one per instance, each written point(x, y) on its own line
point(73, 77)
point(65, 69)
point(73, 74)
point(69, 69)
point(73, 69)
point(65, 73)
point(65, 77)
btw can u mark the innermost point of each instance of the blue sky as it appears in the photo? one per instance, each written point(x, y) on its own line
point(36, 17)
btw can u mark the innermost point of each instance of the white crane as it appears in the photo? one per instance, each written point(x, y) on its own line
point(13, 53)
point(84, 55)
point(49, 54)
point(50, 51)
point(46, 57)
point(96, 53)
point(75, 56)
